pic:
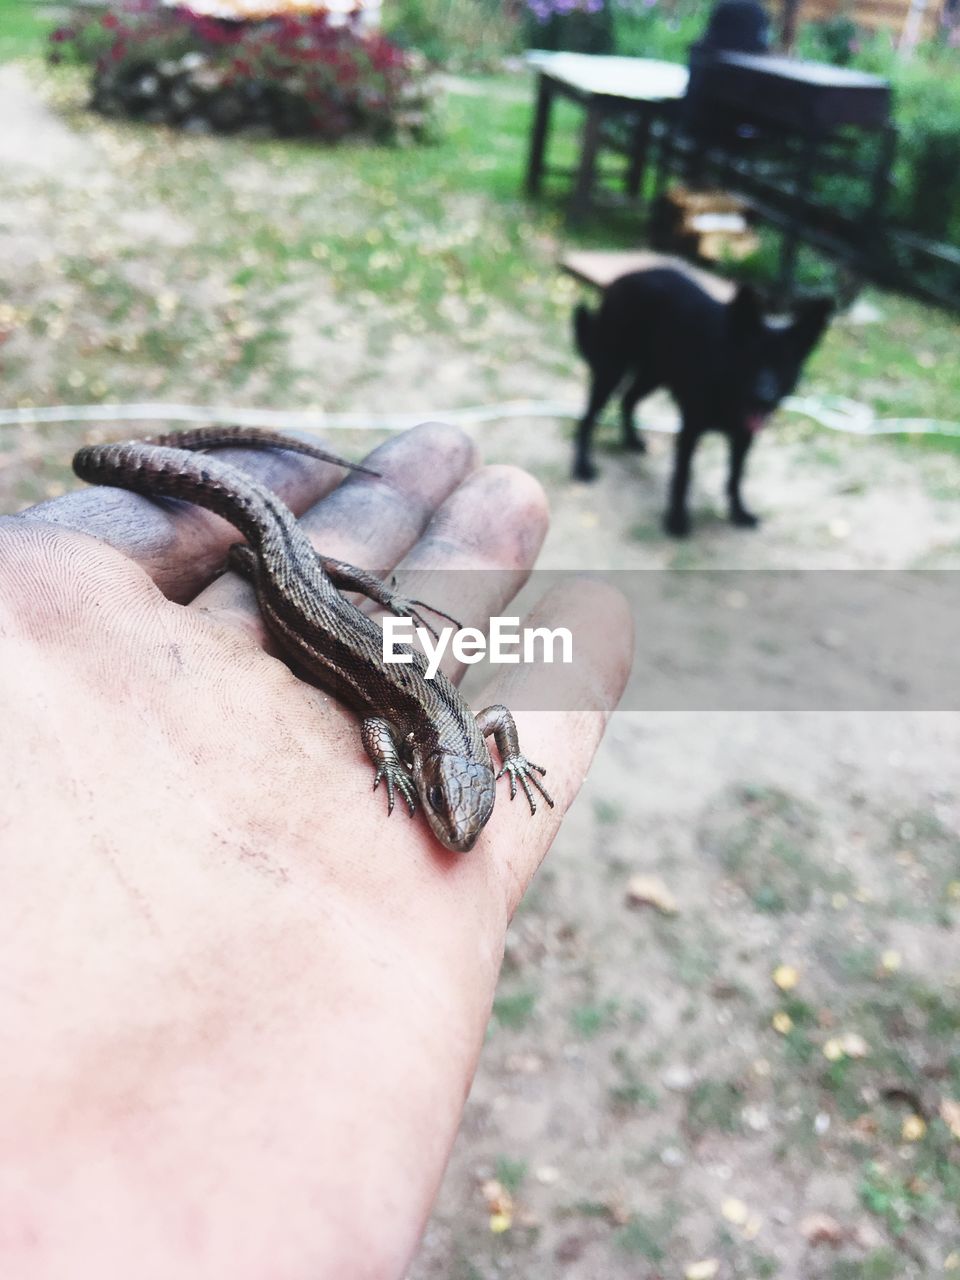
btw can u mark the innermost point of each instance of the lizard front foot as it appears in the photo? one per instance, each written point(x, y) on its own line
point(520, 769)
point(396, 776)
point(380, 743)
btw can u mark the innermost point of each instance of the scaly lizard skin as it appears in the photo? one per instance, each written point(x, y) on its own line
point(420, 734)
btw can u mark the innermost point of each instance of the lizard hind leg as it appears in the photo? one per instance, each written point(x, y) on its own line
point(242, 559)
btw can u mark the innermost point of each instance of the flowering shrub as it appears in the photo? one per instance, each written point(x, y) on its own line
point(544, 10)
point(293, 73)
point(585, 26)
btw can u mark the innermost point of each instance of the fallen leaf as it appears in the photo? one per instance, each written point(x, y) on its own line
point(891, 961)
point(649, 891)
point(500, 1222)
point(913, 1128)
point(950, 1115)
point(498, 1198)
point(782, 1022)
point(820, 1228)
point(785, 976)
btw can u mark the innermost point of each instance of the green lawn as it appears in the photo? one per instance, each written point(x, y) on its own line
point(398, 234)
point(23, 28)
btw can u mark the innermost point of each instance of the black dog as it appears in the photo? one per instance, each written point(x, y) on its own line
point(725, 365)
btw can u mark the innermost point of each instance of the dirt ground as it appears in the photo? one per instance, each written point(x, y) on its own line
point(760, 1076)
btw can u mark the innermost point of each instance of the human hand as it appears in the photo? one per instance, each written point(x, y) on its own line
point(243, 1008)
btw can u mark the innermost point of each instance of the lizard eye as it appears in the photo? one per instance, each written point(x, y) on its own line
point(435, 796)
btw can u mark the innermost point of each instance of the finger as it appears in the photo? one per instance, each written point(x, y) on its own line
point(178, 544)
point(370, 521)
point(478, 550)
point(569, 708)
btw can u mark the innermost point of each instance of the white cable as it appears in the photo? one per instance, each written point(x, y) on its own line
point(834, 412)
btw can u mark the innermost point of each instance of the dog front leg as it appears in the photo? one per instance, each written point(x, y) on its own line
point(740, 444)
point(677, 521)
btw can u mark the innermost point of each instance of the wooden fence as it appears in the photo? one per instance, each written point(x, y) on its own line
point(911, 20)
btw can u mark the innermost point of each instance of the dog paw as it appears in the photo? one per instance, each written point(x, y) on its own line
point(677, 524)
point(584, 471)
point(743, 518)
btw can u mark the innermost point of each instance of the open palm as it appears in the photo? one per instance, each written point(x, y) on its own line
point(242, 1006)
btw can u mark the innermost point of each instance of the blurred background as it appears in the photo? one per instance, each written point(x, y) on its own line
point(727, 1037)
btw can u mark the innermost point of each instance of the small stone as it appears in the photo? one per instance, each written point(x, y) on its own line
point(678, 1079)
point(705, 1269)
point(756, 1119)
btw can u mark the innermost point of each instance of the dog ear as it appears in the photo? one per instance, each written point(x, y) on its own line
point(811, 318)
point(746, 309)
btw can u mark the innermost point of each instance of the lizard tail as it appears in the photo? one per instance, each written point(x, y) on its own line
point(251, 438)
point(159, 471)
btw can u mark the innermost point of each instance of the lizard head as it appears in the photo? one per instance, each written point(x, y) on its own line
point(457, 795)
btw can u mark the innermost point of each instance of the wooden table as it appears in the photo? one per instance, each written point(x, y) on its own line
point(606, 88)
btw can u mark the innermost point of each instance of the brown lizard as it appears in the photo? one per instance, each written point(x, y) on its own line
point(420, 733)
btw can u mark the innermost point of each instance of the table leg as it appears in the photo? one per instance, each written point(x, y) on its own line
point(639, 148)
point(538, 137)
point(587, 169)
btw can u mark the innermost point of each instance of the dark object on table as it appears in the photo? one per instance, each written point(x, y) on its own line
point(782, 132)
point(735, 26)
point(725, 365)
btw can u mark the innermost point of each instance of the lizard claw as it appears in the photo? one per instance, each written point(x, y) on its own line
point(397, 777)
point(520, 769)
point(404, 608)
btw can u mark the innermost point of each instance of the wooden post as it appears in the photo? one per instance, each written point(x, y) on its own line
point(788, 24)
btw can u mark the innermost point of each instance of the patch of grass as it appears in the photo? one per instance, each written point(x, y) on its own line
point(760, 1266)
point(879, 1264)
point(515, 1011)
point(607, 812)
point(642, 1236)
point(893, 1198)
point(715, 1105)
point(768, 842)
point(632, 1090)
point(588, 1020)
point(510, 1173)
point(23, 29)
